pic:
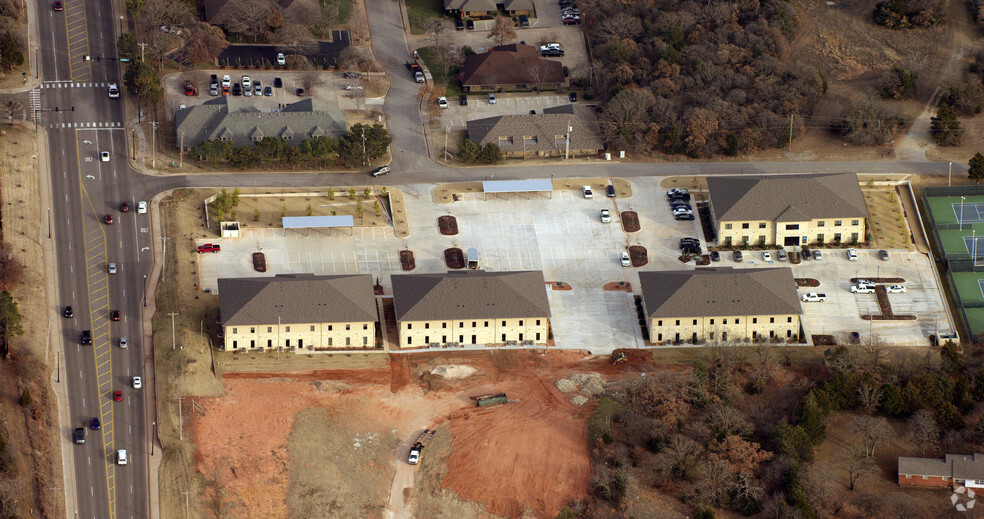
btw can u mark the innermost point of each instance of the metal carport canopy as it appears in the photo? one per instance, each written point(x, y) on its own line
point(313, 222)
point(517, 186)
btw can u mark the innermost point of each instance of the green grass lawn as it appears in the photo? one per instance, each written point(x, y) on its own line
point(437, 72)
point(421, 12)
point(344, 9)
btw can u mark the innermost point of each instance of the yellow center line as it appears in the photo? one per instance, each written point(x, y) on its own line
point(100, 348)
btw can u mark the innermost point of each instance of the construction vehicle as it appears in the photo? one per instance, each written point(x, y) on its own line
point(418, 446)
point(491, 399)
point(619, 357)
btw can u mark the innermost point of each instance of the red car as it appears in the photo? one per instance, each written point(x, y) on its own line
point(209, 247)
point(124, 207)
point(118, 395)
point(58, 6)
point(189, 90)
point(114, 315)
point(108, 220)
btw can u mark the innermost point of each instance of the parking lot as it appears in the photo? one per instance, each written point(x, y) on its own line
point(506, 104)
point(562, 235)
point(331, 88)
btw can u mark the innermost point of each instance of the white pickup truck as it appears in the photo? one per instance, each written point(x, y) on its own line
point(814, 297)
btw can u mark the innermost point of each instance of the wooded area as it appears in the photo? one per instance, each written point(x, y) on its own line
point(698, 78)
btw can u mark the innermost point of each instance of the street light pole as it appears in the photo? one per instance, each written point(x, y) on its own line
point(949, 169)
point(145, 291)
point(961, 212)
point(121, 26)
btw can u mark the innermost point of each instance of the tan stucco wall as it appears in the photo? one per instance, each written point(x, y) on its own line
point(309, 336)
point(416, 334)
point(777, 233)
point(724, 328)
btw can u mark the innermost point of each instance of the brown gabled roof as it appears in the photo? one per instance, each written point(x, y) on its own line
point(510, 65)
point(472, 294)
point(547, 131)
point(708, 292)
point(470, 5)
point(297, 298)
point(789, 198)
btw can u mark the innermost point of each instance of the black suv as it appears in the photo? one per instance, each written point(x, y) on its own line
point(68, 312)
point(690, 245)
point(79, 435)
point(86, 337)
point(459, 24)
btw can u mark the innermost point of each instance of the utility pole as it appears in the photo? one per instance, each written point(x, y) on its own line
point(133, 141)
point(180, 429)
point(153, 143)
point(172, 314)
point(164, 258)
point(446, 132)
point(142, 47)
point(790, 133)
point(567, 141)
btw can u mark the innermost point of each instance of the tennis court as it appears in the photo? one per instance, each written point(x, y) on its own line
point(970, 287)
point(959, 220)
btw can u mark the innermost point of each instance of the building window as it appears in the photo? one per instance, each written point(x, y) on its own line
point(710, 336)
point(269, 329)
point(329, 327)
point(772, 319)
point(678, 322)
point(503, 337)
point(312, 327)
point(288, 329)
point(727, 226)
point(744, 226)
point(695, 321)
point(820, 223)
point(444, 325)
point(761, 225)
point(538, 322)
point(792, 226)
point(503, 323)
point(348, 327)
point(233, 344)
point(486, 324)
point(659, 322)
point(854, 236)
point(329, 341)
point(724, 336)
point(521, 322)
point(409, 341)
point(409, 326)
point(252, 329)
point(744, 240)
point(461, 324)
point(837, 237)
point(854, 222)
point(755, 320)
point(427, 339)
point(754, 335)
point(659, 337)
point(724, 321)
point(365, 341)
point(837, 223)
point(475, 324)
point(712, 321)
point(761, 239)
point(234, 330)
point(538, 336)
point(789, 319)
point(819, 238)
point(427, 326)
point(365, 326)
point(737, 320)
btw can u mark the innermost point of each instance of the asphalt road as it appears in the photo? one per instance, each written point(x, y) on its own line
point(84, 189)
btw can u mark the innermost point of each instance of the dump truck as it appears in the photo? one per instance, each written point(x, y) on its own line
point(416, 72)
point(491, 399)
point(418, 446)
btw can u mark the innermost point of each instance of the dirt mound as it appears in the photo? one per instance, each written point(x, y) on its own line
point(579, 400)
point(566, 385)
point(453, 371)
point(589, 383)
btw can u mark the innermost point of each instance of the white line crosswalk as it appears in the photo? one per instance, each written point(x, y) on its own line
point(35, 102)
point(72, 84)
point(101, 124)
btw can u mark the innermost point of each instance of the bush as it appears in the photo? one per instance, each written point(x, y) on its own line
point(905, 14)
point(901, 84)
point(945, 127)
point(26, 399)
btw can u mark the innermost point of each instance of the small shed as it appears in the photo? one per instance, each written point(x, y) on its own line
point(229, 229)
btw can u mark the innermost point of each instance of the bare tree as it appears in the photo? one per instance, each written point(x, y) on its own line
point(764, 366)
point(857, 465)
point(310, 78)
point(157, 13)
point(359, 94)
point(248, 17)
point(872, 351)
point(10, 107)
point(714, 482)
point(502, 30)
point(870, 430)
point(323, 20)
point(868, 394)
point(294, 38)
point(923, 430)
point(725, 420)
point(625, 117)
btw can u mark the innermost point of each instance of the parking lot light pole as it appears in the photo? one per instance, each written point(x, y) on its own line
point(974, 248)
point(949, 169)
point(961, 212)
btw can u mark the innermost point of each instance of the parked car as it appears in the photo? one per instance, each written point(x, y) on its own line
point(209, 247)
point(278, 83)
point(610, 191)
point(189, 89)
point(676, 191)
point(267, 91)
point(805, 254)
point(257, 88)
point(237, 89)
point(684, 197)
point(682, 211)
point(625, 260)
point(552, 53)
point(814, 297)
point(883, 255)
point(226, 81)
point(492, 99)
point(381, 170)
point(781, 255)
point(58, 6)
point(863, 288)
point(246, 82)
point(767, 257)
point(549, 46)
point(459, 24)
point(281, 59)
point(606, 216)
point(895, 289)
point(689, 242)
point(852, 254)
point(299, 92)
point(684, 216)
point(736, 255)
point(470, 24)
point(572, 97)
point(524, 21)
point(817, 255)
point(680, 204)
point(715, 255)
point(442, 102)
point(586, 192)
point(213, 90)
point(462, 100)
